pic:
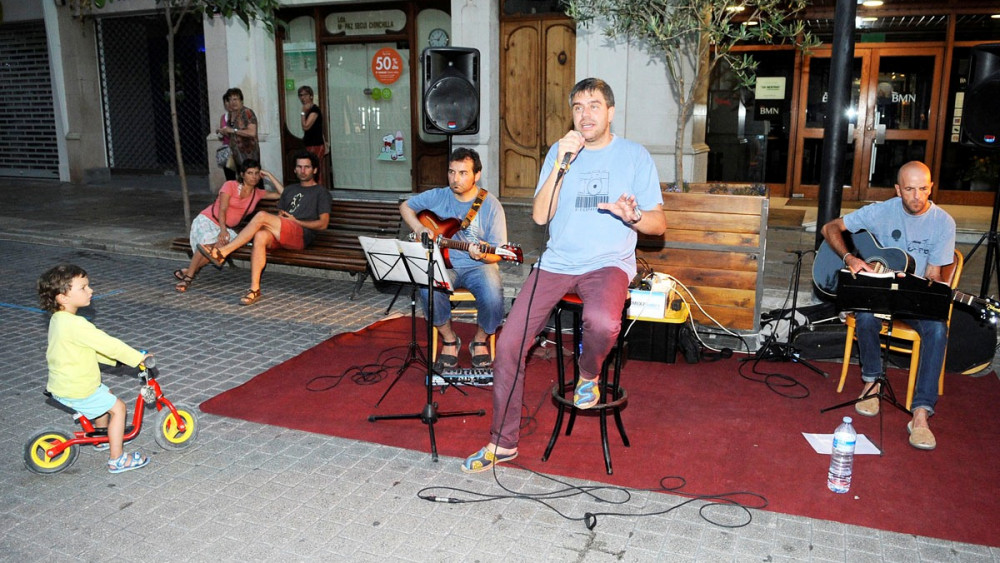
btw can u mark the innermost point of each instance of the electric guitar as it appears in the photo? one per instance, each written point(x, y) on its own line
point(883, 260)
point(445, 228)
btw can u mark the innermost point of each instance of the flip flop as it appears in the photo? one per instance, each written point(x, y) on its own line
point(179, 274)
point(587, 394)
point(484, 460)
point(213, 255)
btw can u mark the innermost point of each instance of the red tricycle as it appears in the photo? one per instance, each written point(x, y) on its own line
point(51, 451)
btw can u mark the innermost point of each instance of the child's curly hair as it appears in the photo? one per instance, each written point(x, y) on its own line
point(57, 281)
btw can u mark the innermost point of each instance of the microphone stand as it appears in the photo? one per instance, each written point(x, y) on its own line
point(788, 353)
point(429, 415)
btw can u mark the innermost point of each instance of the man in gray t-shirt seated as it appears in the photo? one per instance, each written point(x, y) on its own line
point(303, 209)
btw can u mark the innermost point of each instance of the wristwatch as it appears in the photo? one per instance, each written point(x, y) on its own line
point(638, 216)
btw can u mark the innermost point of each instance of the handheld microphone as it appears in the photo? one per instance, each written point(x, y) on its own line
point(565, 161)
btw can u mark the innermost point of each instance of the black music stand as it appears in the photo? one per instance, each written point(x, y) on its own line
point(423, 265)
point(890, 295)
point(385, 259)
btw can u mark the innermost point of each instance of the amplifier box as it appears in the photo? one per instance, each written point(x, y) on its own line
point(647, 342)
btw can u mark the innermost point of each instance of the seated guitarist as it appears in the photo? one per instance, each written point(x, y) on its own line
point(472, 270)
point(913, 223)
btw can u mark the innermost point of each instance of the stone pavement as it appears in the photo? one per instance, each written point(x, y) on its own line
point(246, 491)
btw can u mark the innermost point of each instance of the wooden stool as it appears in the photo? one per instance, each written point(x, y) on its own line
point(613, 395)
point(460, 300)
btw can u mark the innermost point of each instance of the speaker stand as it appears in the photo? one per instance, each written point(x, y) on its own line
point(992, 264)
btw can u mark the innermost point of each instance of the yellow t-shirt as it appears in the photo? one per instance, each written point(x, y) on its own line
point(76, 347)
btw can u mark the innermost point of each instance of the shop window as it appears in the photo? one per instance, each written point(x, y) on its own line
point(748, 128)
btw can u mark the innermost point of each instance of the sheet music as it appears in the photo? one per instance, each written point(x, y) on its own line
point(385, 259)
point(415, 258)
point(404, 262)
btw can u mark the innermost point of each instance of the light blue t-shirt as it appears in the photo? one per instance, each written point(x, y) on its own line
point(488, 226)
point(929, 237)
point(583, 238)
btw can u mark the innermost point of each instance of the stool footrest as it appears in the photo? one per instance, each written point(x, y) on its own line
point(619, 392)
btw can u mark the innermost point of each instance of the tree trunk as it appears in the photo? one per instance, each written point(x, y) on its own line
point(173, 116)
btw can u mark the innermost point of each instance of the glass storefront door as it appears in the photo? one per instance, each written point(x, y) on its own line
point(893, 116)
point(368, 96)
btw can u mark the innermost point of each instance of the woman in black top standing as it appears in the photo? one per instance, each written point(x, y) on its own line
point(312, 136)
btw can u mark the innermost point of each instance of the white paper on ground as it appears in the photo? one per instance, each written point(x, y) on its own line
point(823, 444)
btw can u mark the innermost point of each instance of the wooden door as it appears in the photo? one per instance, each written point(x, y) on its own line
point(537, 71)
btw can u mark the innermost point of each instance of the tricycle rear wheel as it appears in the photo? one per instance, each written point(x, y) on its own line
point(35, 458)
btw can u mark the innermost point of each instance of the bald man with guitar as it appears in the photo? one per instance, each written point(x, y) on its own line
point(912, 223)
point(470, 225)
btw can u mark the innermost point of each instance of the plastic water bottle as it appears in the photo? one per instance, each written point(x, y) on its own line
point(842, 457)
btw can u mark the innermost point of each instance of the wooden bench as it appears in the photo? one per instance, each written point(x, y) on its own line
point(336, 247)
point(714, 244)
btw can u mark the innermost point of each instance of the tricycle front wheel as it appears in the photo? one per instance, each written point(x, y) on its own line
point(168, 433)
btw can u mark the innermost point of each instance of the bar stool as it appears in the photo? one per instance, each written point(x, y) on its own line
point(613, 395)
point(459, 297)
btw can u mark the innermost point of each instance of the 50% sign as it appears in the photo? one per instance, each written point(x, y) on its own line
point(387, 65)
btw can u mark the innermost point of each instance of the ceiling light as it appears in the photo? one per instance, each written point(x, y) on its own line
point(735, 9)
point(869, 19)
point(872, 3)
point(752, 22)
point(995, 16)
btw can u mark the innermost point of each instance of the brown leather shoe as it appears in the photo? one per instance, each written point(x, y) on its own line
point(921, 438)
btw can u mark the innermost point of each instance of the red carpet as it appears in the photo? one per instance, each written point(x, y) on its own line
point(704, 422)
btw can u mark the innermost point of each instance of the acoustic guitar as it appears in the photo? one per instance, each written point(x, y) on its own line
point(863, 245)
point(884, 260)
point(445, 228)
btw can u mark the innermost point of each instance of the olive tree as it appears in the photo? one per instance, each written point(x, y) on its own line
point(691, 37)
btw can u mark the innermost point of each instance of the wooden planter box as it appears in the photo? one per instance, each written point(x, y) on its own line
point(714, 244)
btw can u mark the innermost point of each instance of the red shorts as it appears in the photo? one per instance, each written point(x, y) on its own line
point(291, 236)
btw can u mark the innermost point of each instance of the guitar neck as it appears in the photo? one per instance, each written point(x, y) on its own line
point(461, 245)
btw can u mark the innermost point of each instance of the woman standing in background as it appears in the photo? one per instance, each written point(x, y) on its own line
point(312, 132)
point(241, 128)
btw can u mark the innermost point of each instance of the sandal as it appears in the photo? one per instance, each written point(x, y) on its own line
point(127, 462)
point(213, 254)
point(484, 460)
point(252, 296)
point(447, 361)
point(480, 360)
point(587, 394)
point(179, 274)
point(184, 284)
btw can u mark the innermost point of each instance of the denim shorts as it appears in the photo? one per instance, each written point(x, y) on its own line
point(94, 405)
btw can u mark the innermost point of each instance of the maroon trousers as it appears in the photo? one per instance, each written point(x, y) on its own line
point(603, 293)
